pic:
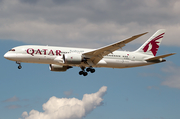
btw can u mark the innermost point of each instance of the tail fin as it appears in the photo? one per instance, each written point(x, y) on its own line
point(150, 47)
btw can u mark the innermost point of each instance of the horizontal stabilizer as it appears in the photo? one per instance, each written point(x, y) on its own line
point(159, 58)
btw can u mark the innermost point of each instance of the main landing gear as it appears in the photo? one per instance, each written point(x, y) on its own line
point(84, 73)
point(19, 67)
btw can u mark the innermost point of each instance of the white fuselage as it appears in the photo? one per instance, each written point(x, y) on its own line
point(54, 55)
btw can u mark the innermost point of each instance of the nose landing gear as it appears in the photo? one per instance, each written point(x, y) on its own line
point(19, 67)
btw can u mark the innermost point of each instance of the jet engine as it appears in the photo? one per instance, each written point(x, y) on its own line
point(72, 58)
point(59, 68)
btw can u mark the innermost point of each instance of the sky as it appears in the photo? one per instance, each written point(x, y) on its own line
point(34, 92)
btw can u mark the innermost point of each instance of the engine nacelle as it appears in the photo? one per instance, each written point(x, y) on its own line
point(72, 58)
point(59, 68)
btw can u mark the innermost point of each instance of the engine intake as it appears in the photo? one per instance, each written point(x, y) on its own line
point(72, 58)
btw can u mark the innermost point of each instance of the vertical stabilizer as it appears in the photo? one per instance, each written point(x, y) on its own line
point(150, 47)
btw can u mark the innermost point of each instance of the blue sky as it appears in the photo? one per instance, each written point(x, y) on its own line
point(150, 92)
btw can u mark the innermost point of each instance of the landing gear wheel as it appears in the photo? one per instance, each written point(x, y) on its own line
point(88, 69)
point(81, 72)
point(19, 67)
point(92, 70)
point(85, 74)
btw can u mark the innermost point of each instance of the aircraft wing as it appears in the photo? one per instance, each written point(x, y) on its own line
point(96, 55)
point(159, 57)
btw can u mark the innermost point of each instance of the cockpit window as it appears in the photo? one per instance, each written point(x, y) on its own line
point(12, 50)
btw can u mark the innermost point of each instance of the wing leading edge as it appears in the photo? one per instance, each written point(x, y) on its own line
point(96, 55)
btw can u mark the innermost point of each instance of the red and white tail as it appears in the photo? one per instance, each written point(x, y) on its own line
point(150, 47)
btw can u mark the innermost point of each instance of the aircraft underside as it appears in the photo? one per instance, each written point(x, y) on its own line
point(106, 63)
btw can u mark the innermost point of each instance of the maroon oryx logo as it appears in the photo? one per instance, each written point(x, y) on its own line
point(154, 43)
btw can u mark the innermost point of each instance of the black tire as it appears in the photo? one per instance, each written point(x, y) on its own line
point(81, 72)
point(92, 70)
point(19, 67)
point(85, 74)
point(88, 69)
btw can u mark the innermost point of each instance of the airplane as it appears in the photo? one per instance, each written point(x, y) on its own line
point(61, 59)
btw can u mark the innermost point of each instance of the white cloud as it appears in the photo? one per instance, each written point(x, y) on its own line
point(13, 99)
point(24, 114)
point(68, 108)
point(68, 93)
point(176, 7)
point(153, 87)
point(87, 23)
point(13, 106)
point(173, 80)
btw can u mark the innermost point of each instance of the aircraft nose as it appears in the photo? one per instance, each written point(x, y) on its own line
point(10, 56)
point(7, 56)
